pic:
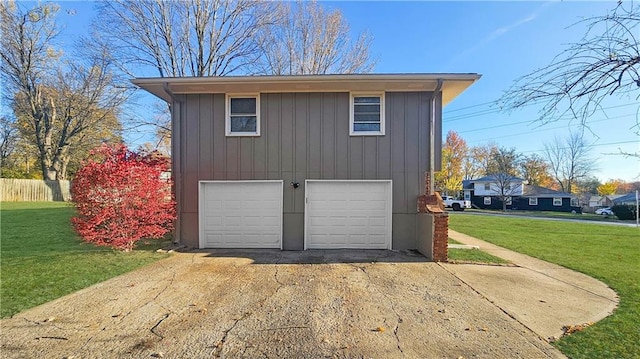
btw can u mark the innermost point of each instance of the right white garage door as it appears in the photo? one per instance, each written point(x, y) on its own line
point(348, 214)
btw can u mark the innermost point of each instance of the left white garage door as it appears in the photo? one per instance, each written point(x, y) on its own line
point(240, 214)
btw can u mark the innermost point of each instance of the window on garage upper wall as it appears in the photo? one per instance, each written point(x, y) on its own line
point(243, 115)
point(487, 200)
point(557, 201)
point(367, 114)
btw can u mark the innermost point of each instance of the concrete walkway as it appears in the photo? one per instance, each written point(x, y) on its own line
point(542, 296)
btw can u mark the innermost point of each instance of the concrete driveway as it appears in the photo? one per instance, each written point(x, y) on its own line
point(272, 304)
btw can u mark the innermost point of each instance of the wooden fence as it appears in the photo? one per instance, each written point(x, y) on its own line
point(14, 190)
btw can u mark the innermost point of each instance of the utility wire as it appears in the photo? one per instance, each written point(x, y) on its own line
point(468, 107)
point(529, 132)
point(496, 110)
point(589, 146)
point(529, 121)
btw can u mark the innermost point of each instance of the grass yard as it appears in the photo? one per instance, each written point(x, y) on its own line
point(608, 253)
point(42, 258)
point(472, 256)
point(552, 214)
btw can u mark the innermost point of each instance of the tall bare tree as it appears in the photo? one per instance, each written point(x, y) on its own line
point(569, 160)
point(504, 171)
point(55, 107)
point(605, 62)
point(182, 38)
point(309, 39)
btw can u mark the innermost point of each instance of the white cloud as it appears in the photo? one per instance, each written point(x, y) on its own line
point(501, 31)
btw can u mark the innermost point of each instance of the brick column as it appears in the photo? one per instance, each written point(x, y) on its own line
point(441, 237)
point(433, 204)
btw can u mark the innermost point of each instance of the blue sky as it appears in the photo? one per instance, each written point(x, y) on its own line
point(501, 41)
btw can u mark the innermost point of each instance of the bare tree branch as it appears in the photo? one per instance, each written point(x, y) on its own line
point(308, 39)
point(605, 62)
point(569, 160)
point(181, 38)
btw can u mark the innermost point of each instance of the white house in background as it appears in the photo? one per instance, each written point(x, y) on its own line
point(492, 186)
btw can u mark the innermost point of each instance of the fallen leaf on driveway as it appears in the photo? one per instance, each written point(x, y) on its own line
point(569, 329)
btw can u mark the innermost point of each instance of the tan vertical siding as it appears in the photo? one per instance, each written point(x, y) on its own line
point(305, 136)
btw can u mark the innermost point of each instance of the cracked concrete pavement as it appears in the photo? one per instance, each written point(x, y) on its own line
point(541, 295)
point(272, 304)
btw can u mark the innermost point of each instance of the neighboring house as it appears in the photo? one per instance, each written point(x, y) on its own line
point(594, 201)
point(628, 199)
point(487, 192)
point(483, 193)
point(305, 162)
point(603, 201)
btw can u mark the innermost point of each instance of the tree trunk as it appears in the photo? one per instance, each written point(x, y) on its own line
point(48, 172)
point(64, 163)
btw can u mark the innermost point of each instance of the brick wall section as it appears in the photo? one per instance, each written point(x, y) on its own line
point(433, 204)
point(441, 237)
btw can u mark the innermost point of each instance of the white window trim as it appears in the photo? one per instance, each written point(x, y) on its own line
point(533, 201)
point(485, 201)
point(509, 201)
point(382, 114)
point(227, 115)
point(554, 201)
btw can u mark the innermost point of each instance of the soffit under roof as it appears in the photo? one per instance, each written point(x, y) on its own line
point(452, 86)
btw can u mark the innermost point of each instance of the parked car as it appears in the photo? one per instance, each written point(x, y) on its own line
point(604, 211)
point(455, 204)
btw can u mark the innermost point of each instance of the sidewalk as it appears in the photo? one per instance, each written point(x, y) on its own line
point(542, 296)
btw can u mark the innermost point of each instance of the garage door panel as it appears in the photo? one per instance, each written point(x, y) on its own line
point(242, 214)
point(348, 214)
point(377, 239)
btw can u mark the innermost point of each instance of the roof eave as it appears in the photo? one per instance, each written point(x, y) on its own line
point(454, 84)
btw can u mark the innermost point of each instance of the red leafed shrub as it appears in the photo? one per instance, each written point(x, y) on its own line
point(121, 198)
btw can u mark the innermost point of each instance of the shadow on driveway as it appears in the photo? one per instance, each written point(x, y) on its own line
point(317, 256)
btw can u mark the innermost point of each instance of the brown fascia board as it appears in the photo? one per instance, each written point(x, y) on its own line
point(453, 84)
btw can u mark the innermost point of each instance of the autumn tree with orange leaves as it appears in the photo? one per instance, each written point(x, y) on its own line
point(454, 152)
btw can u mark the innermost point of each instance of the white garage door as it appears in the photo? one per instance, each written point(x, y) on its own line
point(240, 214)
point(348, 214)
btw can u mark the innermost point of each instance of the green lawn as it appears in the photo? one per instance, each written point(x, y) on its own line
point(41, 257)
point(608, 253)
point(553, 214)
point(472, 256)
